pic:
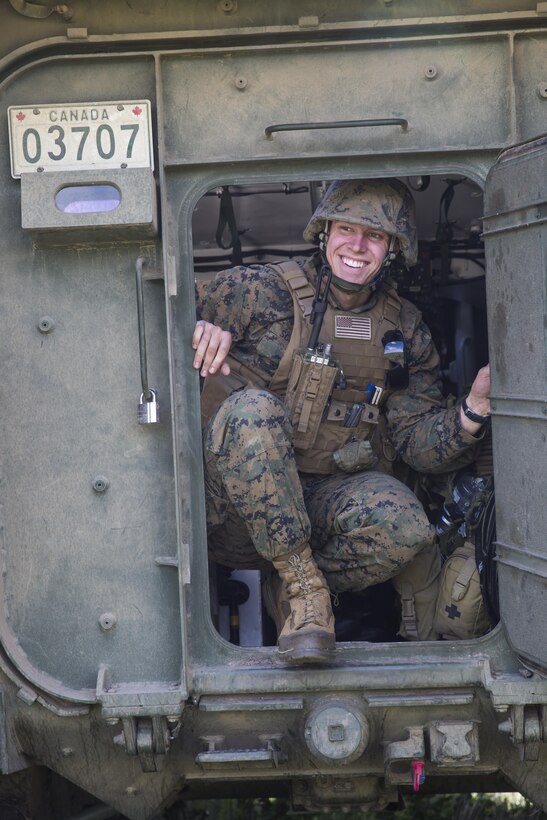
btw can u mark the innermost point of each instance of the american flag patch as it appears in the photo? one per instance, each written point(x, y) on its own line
point(353, 327)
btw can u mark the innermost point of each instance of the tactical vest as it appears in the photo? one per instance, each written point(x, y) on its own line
point(356, 340)
point(356, 343)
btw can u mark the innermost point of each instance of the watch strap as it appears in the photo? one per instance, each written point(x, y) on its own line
point(472, 416)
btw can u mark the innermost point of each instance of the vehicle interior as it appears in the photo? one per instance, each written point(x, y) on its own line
point(255, 224)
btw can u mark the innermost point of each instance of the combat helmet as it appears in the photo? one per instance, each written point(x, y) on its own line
point(386, 204)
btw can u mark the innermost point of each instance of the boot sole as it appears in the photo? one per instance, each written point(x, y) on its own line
point(307, 648)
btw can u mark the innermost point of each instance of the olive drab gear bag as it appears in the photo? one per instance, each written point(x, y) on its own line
point(418, 587)
point(460, 612)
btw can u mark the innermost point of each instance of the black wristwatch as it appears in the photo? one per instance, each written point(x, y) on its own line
point(473, 416)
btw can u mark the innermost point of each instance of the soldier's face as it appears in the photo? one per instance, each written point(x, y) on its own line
point(355, 252)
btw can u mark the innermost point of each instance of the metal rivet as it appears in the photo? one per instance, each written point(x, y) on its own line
point(227, 6)
point(100, 484)
point(131, 791)
point(66, 751)
point(35, 110)
point(46, 324)
point(120, 107)
point(107, 621)
point(542, 90)
point(241, 83)
point(430, 72)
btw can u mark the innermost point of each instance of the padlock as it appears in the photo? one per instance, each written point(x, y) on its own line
point(149, 409)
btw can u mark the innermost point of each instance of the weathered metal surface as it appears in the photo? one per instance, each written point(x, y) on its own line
point(515, 225)
point(104, 589)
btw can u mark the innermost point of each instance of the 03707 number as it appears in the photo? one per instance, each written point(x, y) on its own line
point(103, 142)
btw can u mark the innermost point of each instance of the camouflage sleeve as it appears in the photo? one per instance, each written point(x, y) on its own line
point(426, 435)
point(244, 300)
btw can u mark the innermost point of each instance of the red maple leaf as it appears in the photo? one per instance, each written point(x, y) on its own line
point(20, 116)
point(137, 111)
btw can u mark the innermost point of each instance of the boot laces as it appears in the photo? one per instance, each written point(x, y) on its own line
point(299, 568)
point(309, 596)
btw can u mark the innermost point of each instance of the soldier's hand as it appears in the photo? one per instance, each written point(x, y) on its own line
point(212, 345)
point(478, 399)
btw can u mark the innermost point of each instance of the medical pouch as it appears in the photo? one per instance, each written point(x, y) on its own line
point(309, 388)
point(460, 612)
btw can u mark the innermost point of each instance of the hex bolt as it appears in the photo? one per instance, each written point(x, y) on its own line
point(46, 324)
point(107, 621)
point(241, 83)
point(430, 71)
point(100, 484)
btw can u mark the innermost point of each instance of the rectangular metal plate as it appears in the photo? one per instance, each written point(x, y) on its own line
point(81, 136)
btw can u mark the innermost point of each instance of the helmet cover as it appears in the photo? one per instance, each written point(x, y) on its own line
point(384, 204)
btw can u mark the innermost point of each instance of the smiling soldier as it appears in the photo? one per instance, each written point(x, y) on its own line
point(318, 375)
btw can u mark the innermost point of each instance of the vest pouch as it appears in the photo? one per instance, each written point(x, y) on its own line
point(460, 612)
point(308, 390)
point(355, 455)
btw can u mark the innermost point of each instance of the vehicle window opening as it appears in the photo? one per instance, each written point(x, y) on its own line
point(257, 224)
point(88, 199)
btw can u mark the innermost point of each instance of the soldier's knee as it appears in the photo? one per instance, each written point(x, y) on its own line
point(248, 415)
point(404, 517)
point(257, 404)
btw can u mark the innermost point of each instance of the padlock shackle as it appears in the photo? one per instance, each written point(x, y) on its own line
point(147, 393)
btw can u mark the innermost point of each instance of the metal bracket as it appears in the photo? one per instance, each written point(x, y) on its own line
point(269, 756)
point(147, 737)
point(527, 728)
point(401, 752)
point(454, 743)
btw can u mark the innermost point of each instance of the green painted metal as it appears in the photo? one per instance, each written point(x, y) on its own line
point(112, 673)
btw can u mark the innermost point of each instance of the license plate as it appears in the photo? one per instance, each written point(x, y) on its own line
point(84, 136)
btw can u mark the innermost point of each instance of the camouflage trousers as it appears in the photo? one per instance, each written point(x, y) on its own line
point(363, 528)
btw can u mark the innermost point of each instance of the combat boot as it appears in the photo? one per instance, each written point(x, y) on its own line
point(307, 635)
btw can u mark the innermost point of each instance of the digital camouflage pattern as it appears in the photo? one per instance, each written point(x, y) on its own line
point(363, 527)
point(383, 204)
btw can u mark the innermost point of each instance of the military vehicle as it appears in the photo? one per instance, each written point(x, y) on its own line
point(144, 143)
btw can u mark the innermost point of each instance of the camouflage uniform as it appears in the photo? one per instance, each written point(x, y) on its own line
point(363, 527)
